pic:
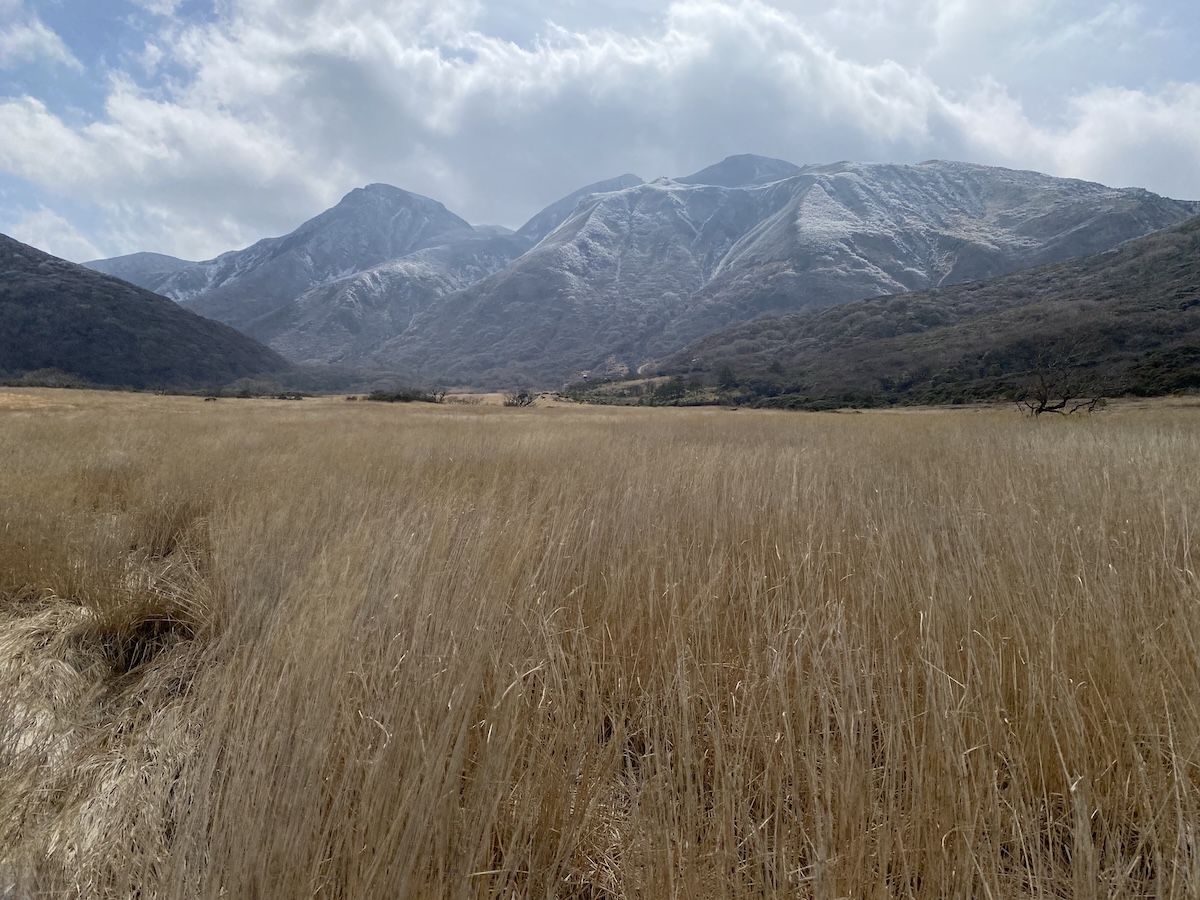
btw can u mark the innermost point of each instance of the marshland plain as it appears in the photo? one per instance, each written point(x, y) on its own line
point(355, 650)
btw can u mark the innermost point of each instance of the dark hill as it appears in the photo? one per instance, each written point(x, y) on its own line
point(58, 315)
point(1123, 321)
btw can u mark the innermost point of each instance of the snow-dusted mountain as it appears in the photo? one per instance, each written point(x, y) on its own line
point(148, 270)
point(348, 319)
point(370, 225)
point(742, 171)
point(639, 273)
point(554, 214)
point(622, 272)
point(351, 278)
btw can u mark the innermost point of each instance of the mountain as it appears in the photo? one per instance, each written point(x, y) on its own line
point(742, 171)
point(55, 314)
point(370, 225)
point(618, 271)
point(622, 273)
point(556, 213)
point(1123, 321)
point(637, 274)
point(148, 270)
point(346, 320)
point(343, 283)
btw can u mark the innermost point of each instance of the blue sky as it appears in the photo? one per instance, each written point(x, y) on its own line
point(191, 127)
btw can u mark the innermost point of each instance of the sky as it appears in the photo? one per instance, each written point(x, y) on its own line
point(192, 127)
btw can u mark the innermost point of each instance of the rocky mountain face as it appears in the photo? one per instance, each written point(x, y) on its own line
point(622, 273)
point(58, 315)
point(637, 274)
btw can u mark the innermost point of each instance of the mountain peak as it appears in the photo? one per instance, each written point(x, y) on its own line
point(742, 170)
point(390, 194)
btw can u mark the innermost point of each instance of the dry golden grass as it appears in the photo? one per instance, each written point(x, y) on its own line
point(322, 649)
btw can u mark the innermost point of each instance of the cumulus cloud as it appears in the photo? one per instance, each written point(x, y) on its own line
point(280, 106)
point(24, 38)
point(48, 231)
point(1115, 136)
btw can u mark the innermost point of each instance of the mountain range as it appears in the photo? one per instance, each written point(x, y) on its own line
point(1123, 321)
point(624, 273)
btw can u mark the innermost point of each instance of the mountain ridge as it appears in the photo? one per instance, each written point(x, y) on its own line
point(55, 314)
point(623, 272)
point(639, 273)
point(1124, 320)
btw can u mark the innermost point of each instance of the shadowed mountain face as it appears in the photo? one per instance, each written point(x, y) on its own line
point(1126, 320)
point(55, 314)
point(622, 273)
point(638, 274)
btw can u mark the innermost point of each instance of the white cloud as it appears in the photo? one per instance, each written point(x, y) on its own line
point(24, 38)
point(159, 7)
point(1114, 136)
point(287, 104)
point(48, 231)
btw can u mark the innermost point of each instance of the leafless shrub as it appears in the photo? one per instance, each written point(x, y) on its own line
point(520, 398)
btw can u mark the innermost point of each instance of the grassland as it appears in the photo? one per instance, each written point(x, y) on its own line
point(324, 649)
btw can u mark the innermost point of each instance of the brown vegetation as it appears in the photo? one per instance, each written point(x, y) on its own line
point(1124, 321)
point(321, 649)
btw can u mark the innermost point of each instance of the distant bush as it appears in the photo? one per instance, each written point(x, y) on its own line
point(522, 397)
point(246, 388)
point(407, 395)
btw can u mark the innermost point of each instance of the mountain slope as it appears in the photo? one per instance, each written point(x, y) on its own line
point(556, 213)
point(347, 320)
point(344, 282)
point(148, 270)
point(55, 314)
point(639, 273)
point(369, 226)
point(1127, 320)
point(742, 171)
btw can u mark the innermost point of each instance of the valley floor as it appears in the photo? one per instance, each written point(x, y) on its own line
point(255, 648)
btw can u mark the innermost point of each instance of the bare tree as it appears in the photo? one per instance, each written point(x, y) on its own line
point(521, 397)
point(1058, 383)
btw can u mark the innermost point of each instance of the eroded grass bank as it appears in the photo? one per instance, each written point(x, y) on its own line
point(254, 649)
